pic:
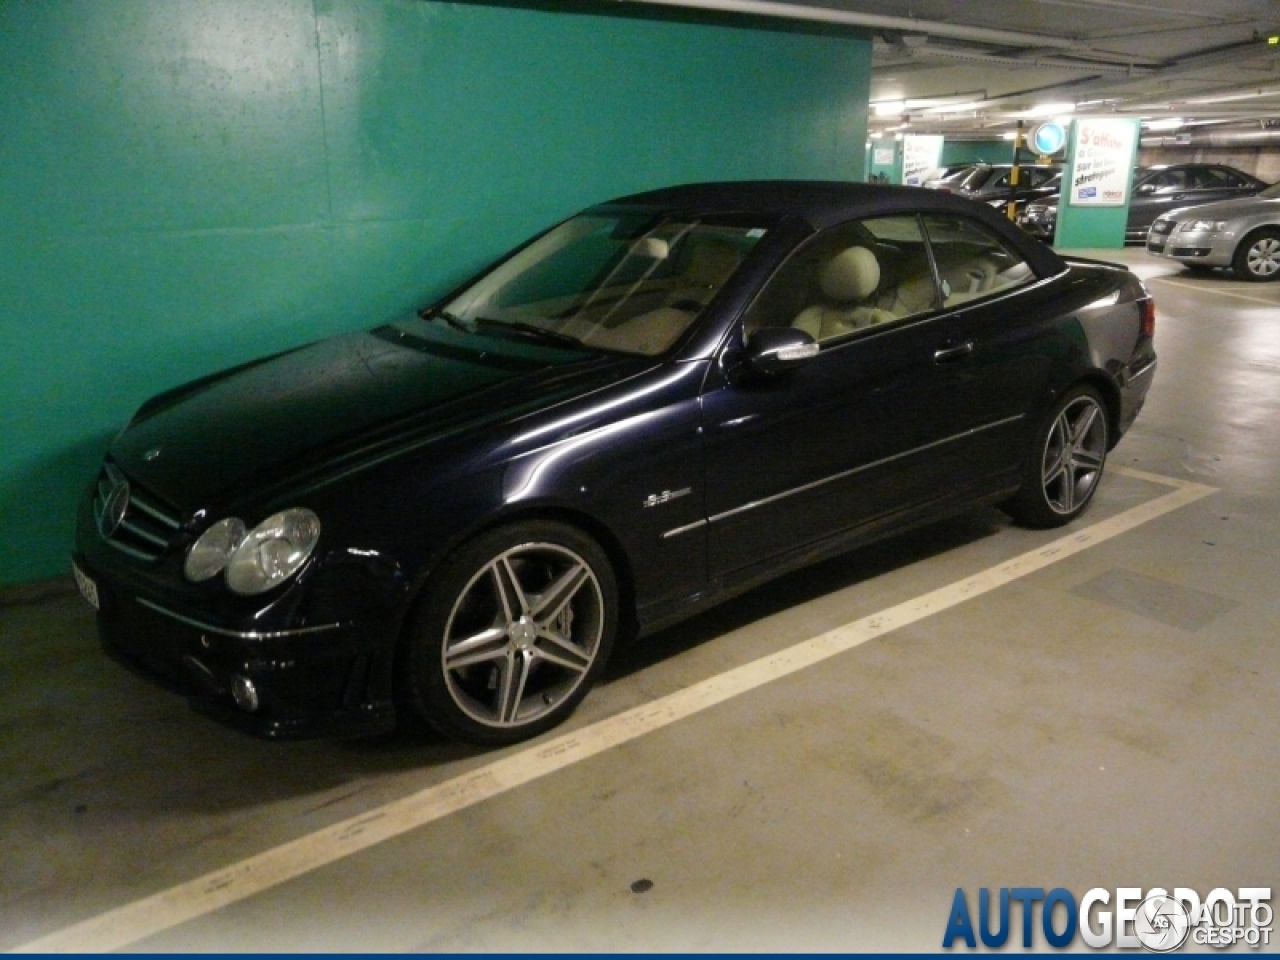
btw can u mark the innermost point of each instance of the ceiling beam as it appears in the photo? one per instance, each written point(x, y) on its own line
point(934, 28)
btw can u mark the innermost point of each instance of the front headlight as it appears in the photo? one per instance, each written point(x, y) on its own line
point(210, 553)
point(1196, 226)
point(273, 551)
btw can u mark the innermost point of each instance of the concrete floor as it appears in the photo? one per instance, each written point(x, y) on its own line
point(1106, 721)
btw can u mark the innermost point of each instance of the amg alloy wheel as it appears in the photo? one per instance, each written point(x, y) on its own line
point(513, 633)
point(1066, 462)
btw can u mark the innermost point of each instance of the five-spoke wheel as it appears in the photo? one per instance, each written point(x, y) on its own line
point(1258, 257)
point(1066, 462)
point(513, 632)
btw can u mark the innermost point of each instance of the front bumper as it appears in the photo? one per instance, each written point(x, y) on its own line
point(309, 676)
point(1209, 248)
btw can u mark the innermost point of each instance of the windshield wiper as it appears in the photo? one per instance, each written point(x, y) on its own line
point(530, 330)
point(451, 319)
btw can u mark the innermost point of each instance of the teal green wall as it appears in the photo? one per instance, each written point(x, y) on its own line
point(976, 151)
point(185, 185)
point(893, 171)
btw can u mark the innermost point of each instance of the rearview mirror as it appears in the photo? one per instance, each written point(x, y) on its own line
point(774, 349)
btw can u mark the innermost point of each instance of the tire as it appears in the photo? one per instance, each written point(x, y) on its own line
point(1258, 256)
point(1065, 462)
point(511, 633)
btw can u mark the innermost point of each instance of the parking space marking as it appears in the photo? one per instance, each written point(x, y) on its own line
point(1216, 292)
point(188, 901)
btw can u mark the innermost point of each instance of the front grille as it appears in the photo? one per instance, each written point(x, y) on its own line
point(130, 518)
point(1162, 227)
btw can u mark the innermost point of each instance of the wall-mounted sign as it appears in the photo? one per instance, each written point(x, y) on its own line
point(1048, 138)
point(1103, 162)
point(921, 155)
point(882, 156)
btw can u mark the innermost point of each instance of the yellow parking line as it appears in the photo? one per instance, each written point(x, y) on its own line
point(142, 918)
point(1216, 292)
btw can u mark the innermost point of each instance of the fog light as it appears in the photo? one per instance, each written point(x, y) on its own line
point(244, 693)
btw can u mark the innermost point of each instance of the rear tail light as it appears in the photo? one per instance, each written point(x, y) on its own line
point(1147, 314)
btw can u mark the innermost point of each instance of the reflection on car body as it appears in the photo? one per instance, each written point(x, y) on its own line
point(646, 410)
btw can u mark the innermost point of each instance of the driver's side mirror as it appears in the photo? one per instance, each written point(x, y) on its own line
point(1147, 189)
point(775, 349)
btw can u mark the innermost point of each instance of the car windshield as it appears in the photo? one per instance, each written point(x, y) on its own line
point(1272, 192)
point(976, 178)
point(627, 282)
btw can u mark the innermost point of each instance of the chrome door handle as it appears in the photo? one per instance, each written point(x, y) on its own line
point(944, 354)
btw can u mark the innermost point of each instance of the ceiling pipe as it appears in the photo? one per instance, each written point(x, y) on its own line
point(1216, 138)
point(872, 21)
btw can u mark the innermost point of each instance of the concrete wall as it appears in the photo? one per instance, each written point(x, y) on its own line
point(185, 184)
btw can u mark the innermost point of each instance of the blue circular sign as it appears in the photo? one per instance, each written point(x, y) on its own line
point(1048, 138)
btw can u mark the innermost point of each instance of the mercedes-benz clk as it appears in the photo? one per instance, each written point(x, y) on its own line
point(649, 408)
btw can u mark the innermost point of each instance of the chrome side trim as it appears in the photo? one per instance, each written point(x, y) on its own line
point(238, 634)
point(685, 529)
point(1143, 372)
point(866, 466)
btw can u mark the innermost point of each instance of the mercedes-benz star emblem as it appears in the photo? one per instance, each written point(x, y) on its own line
point(113, 508)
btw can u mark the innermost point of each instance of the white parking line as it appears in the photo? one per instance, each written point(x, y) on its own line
point(1214, 291)
point(162, 911)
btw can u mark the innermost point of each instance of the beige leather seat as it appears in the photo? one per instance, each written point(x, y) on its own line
point(846, 281)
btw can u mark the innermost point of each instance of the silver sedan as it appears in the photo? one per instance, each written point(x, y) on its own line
point(1242, 234)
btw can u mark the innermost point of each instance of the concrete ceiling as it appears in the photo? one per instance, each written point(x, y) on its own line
point(973, 68)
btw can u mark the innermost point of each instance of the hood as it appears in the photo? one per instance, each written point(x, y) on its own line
point(289, 415)
point(1223, 209)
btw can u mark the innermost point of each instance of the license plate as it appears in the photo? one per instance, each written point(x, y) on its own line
point(88, 589)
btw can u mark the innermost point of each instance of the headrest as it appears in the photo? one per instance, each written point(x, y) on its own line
point(850, 275)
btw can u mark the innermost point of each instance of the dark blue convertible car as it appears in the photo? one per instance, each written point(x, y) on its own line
point(647, 409)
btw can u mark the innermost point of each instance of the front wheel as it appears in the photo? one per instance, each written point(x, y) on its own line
point(1065, 462)
point(512, 633)
point(1258, 257)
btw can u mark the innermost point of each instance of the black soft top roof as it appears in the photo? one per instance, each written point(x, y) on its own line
point(827, 203)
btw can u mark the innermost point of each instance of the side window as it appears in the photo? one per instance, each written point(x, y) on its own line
point(849, 278)
point(972, 260)
point(1168, 180)
point(1216, 178)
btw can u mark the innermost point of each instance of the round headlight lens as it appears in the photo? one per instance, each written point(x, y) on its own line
point(210, 553)
point(273, 551)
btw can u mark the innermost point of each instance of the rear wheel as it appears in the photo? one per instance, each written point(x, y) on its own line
point(512, 633)
point(1258, 256)
point(1065, 463)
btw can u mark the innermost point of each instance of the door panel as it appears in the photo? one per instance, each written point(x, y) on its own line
point(833, 444)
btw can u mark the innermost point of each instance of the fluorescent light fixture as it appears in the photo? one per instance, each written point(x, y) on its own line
point(955, 107)
point(1009, 135)
point(887, 108)
point(1169, 123)
point(1049, 109)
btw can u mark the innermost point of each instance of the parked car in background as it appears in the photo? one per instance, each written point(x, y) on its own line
point(647, 409)
point(992, 183)
point(1242, 234)
point(1155, 190)
point(945, 178)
